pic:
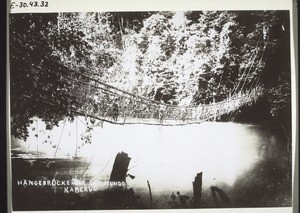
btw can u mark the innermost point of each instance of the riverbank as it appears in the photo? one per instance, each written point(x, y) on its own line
point(246, 163)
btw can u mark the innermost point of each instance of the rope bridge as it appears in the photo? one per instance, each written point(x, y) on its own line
point(107, 103)
point(110, 104)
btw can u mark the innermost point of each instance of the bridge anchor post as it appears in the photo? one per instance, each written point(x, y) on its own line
point(197, 188)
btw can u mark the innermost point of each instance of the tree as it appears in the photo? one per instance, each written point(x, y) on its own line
point(38, 87)
point(180, 58)
point(176, 51)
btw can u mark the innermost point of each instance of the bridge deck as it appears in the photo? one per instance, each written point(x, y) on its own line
point(123, 109)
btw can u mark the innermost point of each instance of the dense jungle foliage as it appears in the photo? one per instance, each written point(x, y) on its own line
point(179, 58)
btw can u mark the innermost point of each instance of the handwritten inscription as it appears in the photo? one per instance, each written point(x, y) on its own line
point(29, 4)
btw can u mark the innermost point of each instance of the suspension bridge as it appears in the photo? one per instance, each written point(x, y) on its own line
point(108, 103)
point(111, 104)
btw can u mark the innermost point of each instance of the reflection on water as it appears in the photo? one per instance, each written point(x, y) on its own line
point(170, 157)
point(230, 155)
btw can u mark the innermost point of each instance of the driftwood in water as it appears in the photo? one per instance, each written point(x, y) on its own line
point(120, 167)
point(197, 188)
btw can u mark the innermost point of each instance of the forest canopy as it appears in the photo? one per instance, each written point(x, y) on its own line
point(178, 58)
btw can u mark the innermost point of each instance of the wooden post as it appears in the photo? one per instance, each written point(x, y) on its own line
point(197, 188)
point(116, 193)
point(151, 200)
point(120, 167)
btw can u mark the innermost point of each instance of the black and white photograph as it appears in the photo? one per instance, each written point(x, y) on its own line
point(170, 109)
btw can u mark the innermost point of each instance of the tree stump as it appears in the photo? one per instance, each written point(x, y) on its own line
point(117, 194)
point(120, 167)
point(197, 188)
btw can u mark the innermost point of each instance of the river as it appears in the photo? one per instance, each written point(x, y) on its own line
point(247, 159)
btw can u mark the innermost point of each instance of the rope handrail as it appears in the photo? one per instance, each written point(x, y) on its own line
point(142, 99)
point(118, 89)
point(174, 116)
point(139, 113)
point(137, 109)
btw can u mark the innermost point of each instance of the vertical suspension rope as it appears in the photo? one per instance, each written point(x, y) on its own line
point(251, 58)
point(37, 137)
point(91, 159)
point(76, 144)
point(60, 138)
point(76, 137)
point(257, 79)
point(247, 74)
